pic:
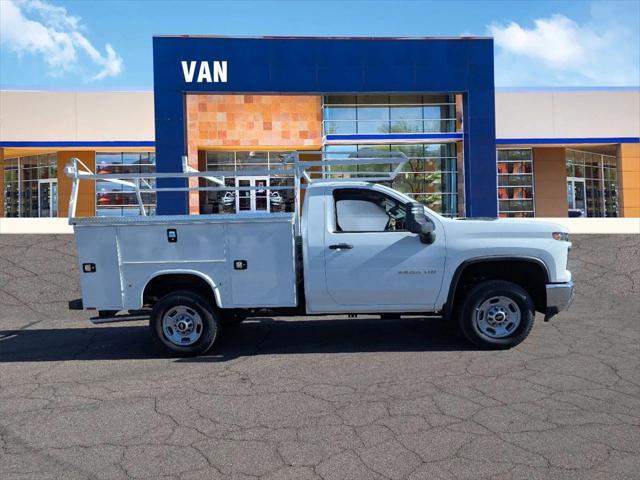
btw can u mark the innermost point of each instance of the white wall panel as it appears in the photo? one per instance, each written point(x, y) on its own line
point(122, 116)
point(37, 116)
point(115, 116)
point(76, 116)
point(568, 114)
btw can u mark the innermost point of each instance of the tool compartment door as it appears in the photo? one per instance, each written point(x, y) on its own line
point(101, 289)
point(262, 263)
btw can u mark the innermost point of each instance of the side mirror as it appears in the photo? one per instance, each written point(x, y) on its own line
point(428, 235)
point(417, 222)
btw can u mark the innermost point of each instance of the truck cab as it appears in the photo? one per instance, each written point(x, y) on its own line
point(360, 255)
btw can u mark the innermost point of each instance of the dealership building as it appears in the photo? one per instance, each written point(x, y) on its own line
point(242, 104)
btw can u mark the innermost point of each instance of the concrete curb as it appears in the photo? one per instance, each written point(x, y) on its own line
point(574, 225)
point(35, 226)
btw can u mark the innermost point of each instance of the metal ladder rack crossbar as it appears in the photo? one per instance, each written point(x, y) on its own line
point(298, 170)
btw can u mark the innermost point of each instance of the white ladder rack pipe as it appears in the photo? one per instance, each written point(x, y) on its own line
point(298, 170)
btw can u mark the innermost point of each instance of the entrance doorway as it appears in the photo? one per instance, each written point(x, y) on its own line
point(257, 200)
point(576, 197)
point(48, 198)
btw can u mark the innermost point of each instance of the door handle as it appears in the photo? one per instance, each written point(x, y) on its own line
point(341, 246)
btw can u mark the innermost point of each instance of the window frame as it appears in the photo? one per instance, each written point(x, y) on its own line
point(509, 212)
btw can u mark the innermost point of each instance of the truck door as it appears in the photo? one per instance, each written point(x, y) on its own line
point(372, 260)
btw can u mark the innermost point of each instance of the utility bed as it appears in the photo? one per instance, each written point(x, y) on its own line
point(250, 256)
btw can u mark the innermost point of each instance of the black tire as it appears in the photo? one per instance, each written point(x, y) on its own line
point(232, 319)
point(210, 327)
point(482, 292)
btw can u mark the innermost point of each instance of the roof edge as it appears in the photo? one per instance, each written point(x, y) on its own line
point(320, 37)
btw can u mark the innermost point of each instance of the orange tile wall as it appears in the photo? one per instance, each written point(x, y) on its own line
point(629, 179)
point(247, 122)
point(550, 177)
point(86, 206)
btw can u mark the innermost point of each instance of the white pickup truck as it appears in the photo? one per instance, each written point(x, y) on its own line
point(357, 247)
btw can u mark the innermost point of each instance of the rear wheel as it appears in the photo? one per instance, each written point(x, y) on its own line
point(184, 324)
point(496, 314)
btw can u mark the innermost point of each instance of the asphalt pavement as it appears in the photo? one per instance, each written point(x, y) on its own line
point(316, 398)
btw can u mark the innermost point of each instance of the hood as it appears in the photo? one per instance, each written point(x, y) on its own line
point(496, 226)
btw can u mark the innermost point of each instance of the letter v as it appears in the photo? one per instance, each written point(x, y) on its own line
point(188, 71)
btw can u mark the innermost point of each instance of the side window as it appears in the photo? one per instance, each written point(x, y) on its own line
point(365, 210)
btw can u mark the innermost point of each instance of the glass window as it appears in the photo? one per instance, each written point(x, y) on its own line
point(384, 114)
point(598, 173)
point(364, 210)
point(406, 113)
point(343, 99)
point(432, 112)
point(340, 128)
point(340, 120)
point(515, 182)
point(21, 180)
point(115, 200)
point(340, 113)
point(405, 99)
point(372, 99)
point(252, 160)
point(430, 176)
point(217, 161)
point(405, 126)
point(224, 202)
point(373, 120)
point(373, 113)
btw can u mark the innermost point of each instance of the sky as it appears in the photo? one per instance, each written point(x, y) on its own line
point(107, 44)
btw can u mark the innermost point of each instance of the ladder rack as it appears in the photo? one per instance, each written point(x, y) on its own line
point(303, 172)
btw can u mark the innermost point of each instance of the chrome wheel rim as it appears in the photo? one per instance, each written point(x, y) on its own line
point(182, 325)
point(498, 317)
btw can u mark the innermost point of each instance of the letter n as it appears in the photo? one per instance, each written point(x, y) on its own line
point(220, 71)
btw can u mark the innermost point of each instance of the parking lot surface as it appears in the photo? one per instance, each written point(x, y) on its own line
point(318, 399)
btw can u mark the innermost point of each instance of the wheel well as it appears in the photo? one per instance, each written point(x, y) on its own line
point(161, 285)
point(529, 274)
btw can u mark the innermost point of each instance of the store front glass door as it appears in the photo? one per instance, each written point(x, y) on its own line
point(576, 198)
point(252, 200)
point(48, 198)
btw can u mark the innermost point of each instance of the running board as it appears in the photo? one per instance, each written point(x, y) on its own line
point(118, 319)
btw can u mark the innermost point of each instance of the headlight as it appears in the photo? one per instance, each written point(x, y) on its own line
point(562, 236)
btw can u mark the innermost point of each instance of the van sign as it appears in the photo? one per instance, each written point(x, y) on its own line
point(207, 72)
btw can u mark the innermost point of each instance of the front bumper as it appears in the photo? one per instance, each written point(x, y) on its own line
point(559, 297)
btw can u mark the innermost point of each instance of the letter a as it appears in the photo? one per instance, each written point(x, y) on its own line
point(204, 73)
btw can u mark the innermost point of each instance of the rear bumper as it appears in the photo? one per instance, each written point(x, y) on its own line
point(559, 298)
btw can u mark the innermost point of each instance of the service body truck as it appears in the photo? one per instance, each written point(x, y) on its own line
point(357, 247)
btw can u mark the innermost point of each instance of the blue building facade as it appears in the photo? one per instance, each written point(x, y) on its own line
point(431, 96)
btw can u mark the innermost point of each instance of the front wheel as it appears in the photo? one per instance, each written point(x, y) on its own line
point(184, 324)
point(496, 314)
